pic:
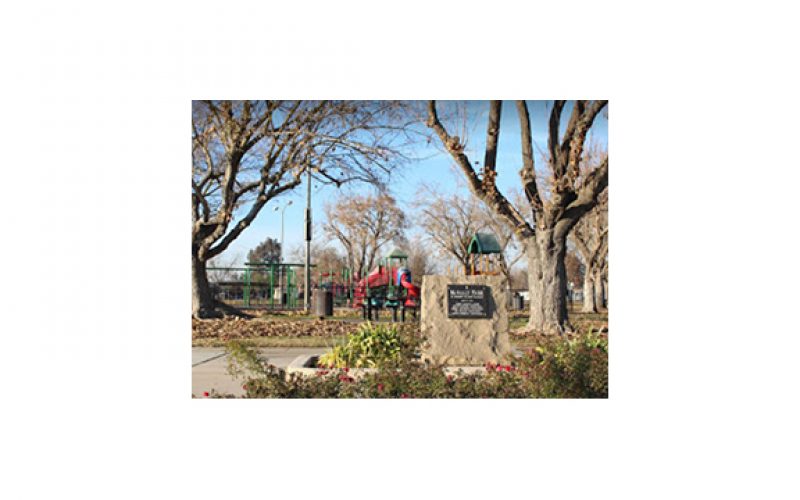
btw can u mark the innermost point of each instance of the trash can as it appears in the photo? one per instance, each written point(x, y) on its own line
point(519, 302)
point(323, 302)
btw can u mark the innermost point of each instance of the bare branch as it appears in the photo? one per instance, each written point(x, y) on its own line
point(553, 132)
point(492, 135)
point(528, 171)
point(485, 191)
point(248, 219)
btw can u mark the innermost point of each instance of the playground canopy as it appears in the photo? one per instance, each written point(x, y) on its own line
point(483, 243)
point(397, 254)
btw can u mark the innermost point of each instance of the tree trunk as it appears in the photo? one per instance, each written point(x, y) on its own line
point(589, 304)
point(202, 299)
point(599, 291)
point(547, 284)
point(505, 271)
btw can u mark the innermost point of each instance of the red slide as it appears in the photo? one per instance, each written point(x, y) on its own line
point(412, 297)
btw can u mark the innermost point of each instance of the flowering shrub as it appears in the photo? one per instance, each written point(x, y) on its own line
point(573, 366)
point(212, 395)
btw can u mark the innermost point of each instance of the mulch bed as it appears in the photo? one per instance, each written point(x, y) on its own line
point(238, 328)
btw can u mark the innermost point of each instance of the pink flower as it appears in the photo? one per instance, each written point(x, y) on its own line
point(380, 387)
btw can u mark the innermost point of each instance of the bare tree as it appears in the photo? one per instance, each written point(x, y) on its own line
point(223, 266)
point(449, 222)
point(420, 261)
point(590, 237)
point(364, 224)
point(601, 285)
point(420, 257)
point(326, 259)
point(246, 153)
point(575, 269)
point(571, 196)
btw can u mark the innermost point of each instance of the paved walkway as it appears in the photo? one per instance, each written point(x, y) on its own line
point(210, 367)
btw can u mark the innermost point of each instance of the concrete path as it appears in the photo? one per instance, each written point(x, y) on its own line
point(210, 367)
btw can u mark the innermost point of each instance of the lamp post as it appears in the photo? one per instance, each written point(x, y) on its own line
point(280, 258)
point(283, 210)
point(307, 291)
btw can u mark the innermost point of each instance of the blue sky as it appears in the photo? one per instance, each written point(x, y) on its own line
point(435, 168)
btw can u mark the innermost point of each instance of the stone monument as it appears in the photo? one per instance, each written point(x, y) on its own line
point(464, 319)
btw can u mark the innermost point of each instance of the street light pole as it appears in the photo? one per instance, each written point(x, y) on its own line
point(307, 301)
point(283, 211)
point(280, 258)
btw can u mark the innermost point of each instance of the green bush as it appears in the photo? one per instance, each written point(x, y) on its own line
point(368, 347)
point(573, 366)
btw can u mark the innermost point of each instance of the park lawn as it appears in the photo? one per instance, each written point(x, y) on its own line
point(518, 342)
point(518, 322)
point(336, 335)
point(518, 319)
point(267, 315)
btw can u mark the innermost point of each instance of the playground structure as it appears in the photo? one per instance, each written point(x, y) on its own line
point(483, 254)
point(387, 286)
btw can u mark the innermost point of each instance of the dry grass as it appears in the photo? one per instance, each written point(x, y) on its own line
point(232, 328)
point(581, 322)
point(296, 329)
point(274, 341)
